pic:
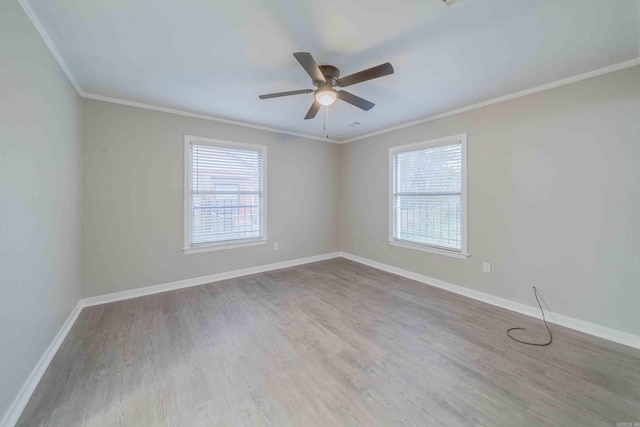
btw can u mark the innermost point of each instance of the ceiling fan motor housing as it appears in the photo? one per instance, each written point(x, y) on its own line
point(330, 74)
point(325, 77)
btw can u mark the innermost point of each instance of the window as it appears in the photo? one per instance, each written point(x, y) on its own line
point(428, 196)
point(224, 194)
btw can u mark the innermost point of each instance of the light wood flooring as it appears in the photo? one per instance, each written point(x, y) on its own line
point(327, 344)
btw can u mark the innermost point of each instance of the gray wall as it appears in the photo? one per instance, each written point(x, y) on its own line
point(39, 199)
point(132, 192)
point(554, 199)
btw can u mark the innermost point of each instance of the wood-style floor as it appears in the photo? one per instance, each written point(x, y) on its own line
point(324, 344)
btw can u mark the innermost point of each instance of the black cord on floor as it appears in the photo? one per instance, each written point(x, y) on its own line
point(535, 293)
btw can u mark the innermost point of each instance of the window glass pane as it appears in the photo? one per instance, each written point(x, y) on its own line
point(430, 220)
point(215, 220)
point(437, 169)
point(226, 194)
point(427, 207)
point(217, 165)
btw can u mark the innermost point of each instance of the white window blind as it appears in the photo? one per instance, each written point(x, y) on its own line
point(225, 193)
point(427, 204)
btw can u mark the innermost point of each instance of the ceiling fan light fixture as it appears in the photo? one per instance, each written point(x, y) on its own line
point(325, 77)
point(326, 96)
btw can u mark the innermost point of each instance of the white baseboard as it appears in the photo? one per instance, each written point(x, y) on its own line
point(197, 281)
point(614, 335)
point(17, 406)
point(21, 400)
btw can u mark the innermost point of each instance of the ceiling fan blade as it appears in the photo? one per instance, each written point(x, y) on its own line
point(292, 92)
point(310, 66)
point(355, 100)
point(313, 110)
point(368, 74)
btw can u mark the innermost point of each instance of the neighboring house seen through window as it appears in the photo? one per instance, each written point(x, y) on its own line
point(224, 194)
point(428, 196)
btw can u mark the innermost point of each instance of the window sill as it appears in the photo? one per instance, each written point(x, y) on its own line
point(224, 245)
point(432, 250)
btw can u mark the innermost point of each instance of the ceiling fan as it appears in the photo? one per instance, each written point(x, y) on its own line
point(325, 77)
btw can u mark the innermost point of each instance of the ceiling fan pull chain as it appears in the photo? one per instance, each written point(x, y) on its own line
point(326, 119)
point(326, 116)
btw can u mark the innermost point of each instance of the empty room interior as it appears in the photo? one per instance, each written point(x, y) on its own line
point(320, 213)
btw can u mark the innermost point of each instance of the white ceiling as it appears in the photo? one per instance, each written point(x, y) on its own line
point(215, 57)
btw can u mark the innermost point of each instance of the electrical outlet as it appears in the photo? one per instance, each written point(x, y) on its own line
point(486, 267)
point(275, 246)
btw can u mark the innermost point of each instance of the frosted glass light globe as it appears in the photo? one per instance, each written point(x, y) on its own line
point(326, 96)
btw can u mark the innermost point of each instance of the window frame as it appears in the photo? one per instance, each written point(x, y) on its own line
point(439, 142)
point(225, 244)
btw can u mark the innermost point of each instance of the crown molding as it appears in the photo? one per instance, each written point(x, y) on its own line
point(200, 116)
point(56, 54)
point(47, 41)
point(566, 81)
point(26, 7)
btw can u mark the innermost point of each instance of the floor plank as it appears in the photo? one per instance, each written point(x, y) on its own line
point(329, 343)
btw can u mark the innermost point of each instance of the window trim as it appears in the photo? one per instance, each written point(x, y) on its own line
point(226, 244)
point(439, 142)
